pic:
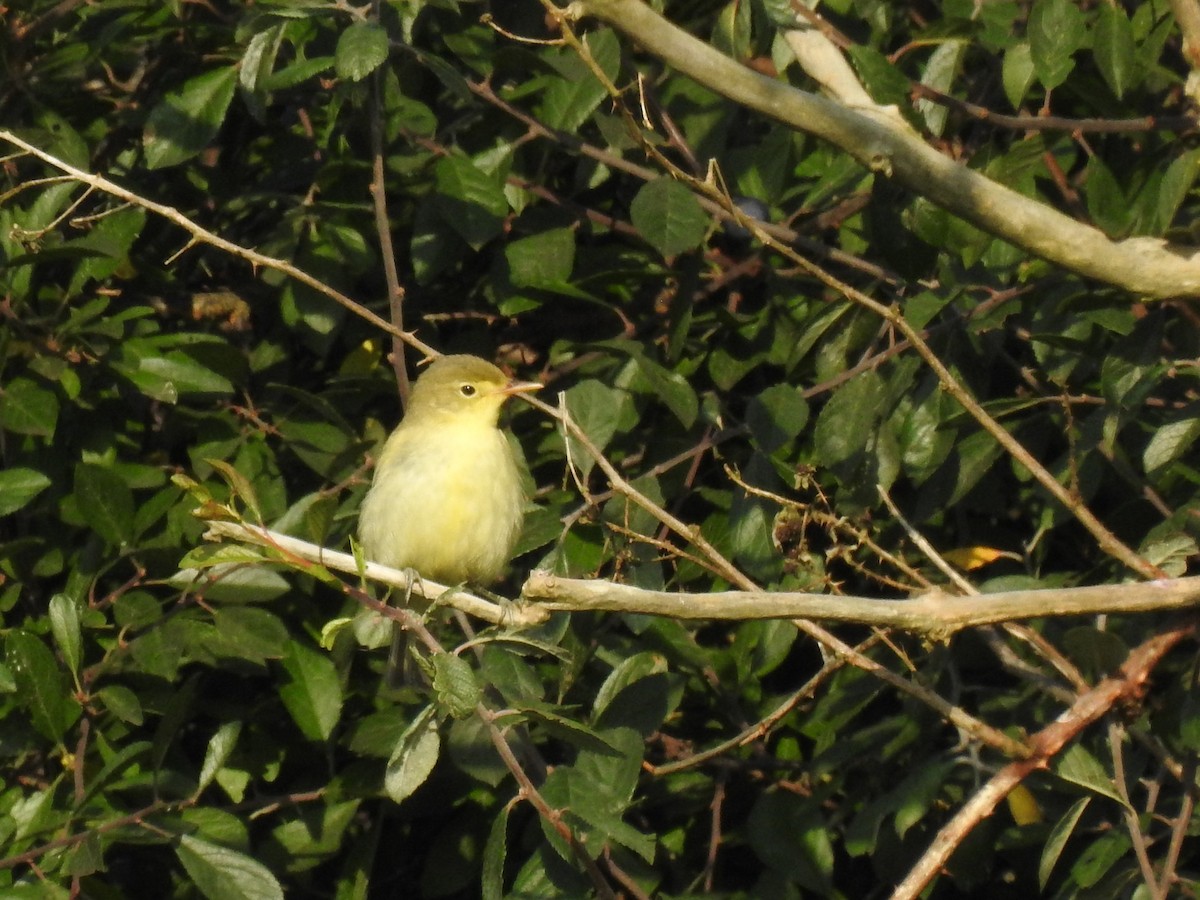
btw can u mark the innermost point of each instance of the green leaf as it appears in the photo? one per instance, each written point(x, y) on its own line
point(1017, 73)
point(229, 579)
point(494, 854)
point(543, 260)
point(220, 746)
point(455, 684)
point(669, 217)
point(1113, 47)
point(105, 502)
point(239, 484)
point(122, 703)
point(40, 686)
point(414, 758)
point(1056, 30)
point(847, 423)
point(18, 486)
point(313, 692)
point(64, 625)
point(220, 873)
point(1057, 841)
point(939, 74)
point(884, 82)
point(776, 416)
point(670, 387)
point(598, 410)
point(1176, 183)
point(361, 50)
point(574, 95)
point(470, 201)
point(1106, 202)
point(185, 121)
point(1079, 767)
point(1169, 443)
point(26, 408)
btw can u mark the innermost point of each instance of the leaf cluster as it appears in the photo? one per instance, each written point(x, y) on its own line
point(181, 719)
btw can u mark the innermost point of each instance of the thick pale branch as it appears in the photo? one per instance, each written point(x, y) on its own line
point(1143, 265)
point(933, 614)
point(287, 546)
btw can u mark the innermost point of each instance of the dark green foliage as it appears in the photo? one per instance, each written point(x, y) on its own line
point(179, 718)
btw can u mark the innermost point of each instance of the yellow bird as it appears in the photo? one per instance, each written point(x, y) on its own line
point(447, 499)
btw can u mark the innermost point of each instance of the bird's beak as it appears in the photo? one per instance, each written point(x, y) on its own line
point(519, 387)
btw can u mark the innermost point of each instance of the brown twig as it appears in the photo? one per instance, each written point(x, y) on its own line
point(1127, 685)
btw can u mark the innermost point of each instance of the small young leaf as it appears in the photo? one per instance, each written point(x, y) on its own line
point(455, 684)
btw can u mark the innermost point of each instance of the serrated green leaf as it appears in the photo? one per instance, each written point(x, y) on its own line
point(185, 121)
point(494, 853)
point(1056, 30)
point(220, 873)
point(455, 684)
point(105, 502)
point(313, 692)
point(571, 98)
point(18, 486)
point(361, 49)
point(414, 758)
point(669, 217)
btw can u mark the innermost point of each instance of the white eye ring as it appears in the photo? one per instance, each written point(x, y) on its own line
point(467, 390)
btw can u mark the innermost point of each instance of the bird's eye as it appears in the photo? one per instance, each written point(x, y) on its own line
point(467, 390)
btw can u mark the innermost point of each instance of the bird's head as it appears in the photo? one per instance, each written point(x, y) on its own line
point(463, 389)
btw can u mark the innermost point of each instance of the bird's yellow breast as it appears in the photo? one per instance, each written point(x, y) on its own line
point(446, 500)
